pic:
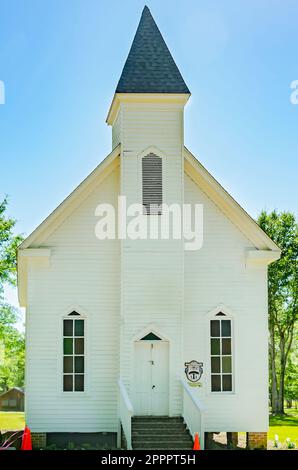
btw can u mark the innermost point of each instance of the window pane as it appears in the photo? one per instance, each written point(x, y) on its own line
point(79, 383)
point(215, 348)
point(226, 364)
point(226, 328)
point(227, 383)
point(215, 364)
point(215, 383)
point(214, 328)
point(67, 383)
point(67, 364)
point(68, 328)
point(79, 346)
point(79, 327)
point(226, 346)
point(79, 364)
point(68, 346)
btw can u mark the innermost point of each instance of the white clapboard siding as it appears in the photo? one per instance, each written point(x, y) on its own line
point(123, 288)
point(84, 273)
point(116, 132)
point(216, 275)
point(152, 271)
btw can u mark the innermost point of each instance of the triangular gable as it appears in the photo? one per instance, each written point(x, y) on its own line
point(267, 251)
point(238, 216)
point(74, 199)
point(199, 174)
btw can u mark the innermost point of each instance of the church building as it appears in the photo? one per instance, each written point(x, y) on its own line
point(136, 340)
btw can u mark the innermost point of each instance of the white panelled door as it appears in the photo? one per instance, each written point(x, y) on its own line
point(151, 384)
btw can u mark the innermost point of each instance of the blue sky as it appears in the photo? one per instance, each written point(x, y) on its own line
point(60, 62)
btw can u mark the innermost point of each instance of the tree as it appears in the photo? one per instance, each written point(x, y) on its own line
point(12, 349)
point(282, 299)
point(291, 378)
point(12, 345)
point(8, 248)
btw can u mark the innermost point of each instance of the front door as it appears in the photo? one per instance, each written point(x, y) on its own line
point(151, 381)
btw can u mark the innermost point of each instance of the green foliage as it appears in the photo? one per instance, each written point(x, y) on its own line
point(8, 247)
point(71, 446)
point(282, 299)
point(283, 274)
point(290, 444)
point(291, 376)
point(12, 344)
point(12, 349)
point(285, 427)
point(51, 447)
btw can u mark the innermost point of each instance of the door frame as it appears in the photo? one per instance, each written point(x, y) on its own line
point(164, 339)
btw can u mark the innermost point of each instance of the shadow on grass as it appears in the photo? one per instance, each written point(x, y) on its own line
point(283, 420)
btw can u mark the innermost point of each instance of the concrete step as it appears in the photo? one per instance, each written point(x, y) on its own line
point(163, 427)
point(157, 418)
point(155, 422)
point(163, 445)
point(160, 433)
point(173, 446)
point(163, 438)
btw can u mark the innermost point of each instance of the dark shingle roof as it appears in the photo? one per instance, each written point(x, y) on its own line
point(149, 67)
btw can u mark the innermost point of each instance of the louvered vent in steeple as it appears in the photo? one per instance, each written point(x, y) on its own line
point(152, 183)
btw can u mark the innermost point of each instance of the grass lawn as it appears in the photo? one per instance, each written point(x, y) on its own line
point(284, 426)
point(11, 420)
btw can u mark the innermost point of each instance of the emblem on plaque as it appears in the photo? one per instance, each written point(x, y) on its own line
point(193, 370)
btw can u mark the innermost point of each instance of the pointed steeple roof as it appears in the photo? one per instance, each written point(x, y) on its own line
point(150, 67)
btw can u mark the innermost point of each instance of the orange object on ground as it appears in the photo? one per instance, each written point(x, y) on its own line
point(26, 439)
point(196, 445)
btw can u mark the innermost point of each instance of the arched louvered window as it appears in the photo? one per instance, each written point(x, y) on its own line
point(152, 184)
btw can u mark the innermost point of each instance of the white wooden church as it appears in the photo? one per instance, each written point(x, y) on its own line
point(140, 342)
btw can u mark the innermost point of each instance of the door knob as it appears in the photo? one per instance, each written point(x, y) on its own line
point(153, 386)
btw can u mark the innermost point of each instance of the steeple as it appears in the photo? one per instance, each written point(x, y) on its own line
point(150, 67)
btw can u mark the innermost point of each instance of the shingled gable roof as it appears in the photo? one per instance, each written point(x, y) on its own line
point(150, 67)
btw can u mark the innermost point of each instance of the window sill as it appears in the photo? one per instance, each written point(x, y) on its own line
point(73, 394)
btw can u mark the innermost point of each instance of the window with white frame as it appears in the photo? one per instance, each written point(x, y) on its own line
point(152, 184)
point(221, 353)
point(73, 353)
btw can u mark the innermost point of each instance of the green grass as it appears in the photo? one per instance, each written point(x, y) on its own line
point(12, 420)
point(284, 426)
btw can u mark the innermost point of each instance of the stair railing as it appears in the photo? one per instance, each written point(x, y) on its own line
point(193, 412)
point(125, 415)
